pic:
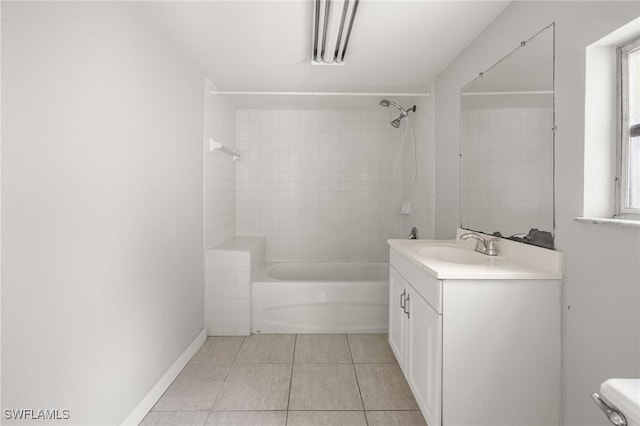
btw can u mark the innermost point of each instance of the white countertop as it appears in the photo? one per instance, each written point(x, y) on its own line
point(514, 261)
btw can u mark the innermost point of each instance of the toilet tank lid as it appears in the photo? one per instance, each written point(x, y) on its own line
point(623, 394)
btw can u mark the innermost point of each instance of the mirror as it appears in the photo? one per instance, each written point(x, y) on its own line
point(507, 147)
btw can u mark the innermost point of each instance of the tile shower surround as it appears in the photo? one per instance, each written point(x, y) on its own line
point(288, 379)
point(220, 171)
point(318, 184)
point(228, 289)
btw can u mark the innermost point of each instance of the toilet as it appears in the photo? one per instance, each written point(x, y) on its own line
point(619, 399)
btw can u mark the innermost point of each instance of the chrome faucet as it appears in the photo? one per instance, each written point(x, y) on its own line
point(414, 234)
point(483, 246)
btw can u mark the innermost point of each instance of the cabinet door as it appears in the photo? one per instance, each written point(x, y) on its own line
point(397, 318)
point(424, 356)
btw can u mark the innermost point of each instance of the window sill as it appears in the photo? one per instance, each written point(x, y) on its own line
point(608, 221)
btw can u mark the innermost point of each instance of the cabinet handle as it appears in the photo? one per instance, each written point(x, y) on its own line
point(405, 308)
point(404, 292)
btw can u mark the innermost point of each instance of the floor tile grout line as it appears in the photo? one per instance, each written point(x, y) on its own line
point(349, 348)
point(208, 414)
point(221, 387)
point(353, 366)
point(295, 346)
point(226, 376)
point(235, 358)
point(295, 343)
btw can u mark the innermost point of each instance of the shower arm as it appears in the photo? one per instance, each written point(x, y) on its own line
point(404, 112)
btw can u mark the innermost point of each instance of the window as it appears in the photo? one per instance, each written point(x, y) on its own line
point(628, 175)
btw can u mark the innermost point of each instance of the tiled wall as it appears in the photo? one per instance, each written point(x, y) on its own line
point(318, 184)
point(228, 289)
point(220, 172)
point(421, 194)
point(229, 298)
point(508, 185)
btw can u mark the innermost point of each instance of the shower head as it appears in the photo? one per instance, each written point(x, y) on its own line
point(386, 103)
point(403, 112)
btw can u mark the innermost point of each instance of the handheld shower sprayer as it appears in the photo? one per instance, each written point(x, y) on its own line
point(403, 112)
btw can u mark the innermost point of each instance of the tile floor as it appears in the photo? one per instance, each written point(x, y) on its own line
point(288, 379)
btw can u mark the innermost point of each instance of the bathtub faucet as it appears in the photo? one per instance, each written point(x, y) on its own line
point(414, 234)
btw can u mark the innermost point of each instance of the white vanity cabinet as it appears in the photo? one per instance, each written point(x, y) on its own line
point(397, 317)
point(415, 336)
point(479, 350)
point(424, 353)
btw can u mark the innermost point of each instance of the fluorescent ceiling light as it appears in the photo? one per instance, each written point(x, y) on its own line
point(332, 24)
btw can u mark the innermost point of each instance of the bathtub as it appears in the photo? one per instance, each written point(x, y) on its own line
point(296, 297)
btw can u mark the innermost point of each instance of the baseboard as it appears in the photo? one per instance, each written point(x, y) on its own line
point(137, 414)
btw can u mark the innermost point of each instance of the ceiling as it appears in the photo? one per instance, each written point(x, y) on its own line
point(395, 46)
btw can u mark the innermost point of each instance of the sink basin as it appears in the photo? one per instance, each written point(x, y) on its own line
point(451, 253)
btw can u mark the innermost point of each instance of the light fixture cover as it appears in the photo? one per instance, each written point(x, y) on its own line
point(332, 24)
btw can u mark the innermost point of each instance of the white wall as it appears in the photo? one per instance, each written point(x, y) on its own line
point(102, 278)
point(319, 183)
point(602, 274)
point(220, 170)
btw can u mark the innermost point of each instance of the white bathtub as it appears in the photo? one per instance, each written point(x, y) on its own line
point(320, 298)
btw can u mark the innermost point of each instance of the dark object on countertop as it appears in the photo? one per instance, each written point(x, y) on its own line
point(535, 237)
point(540, 238)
